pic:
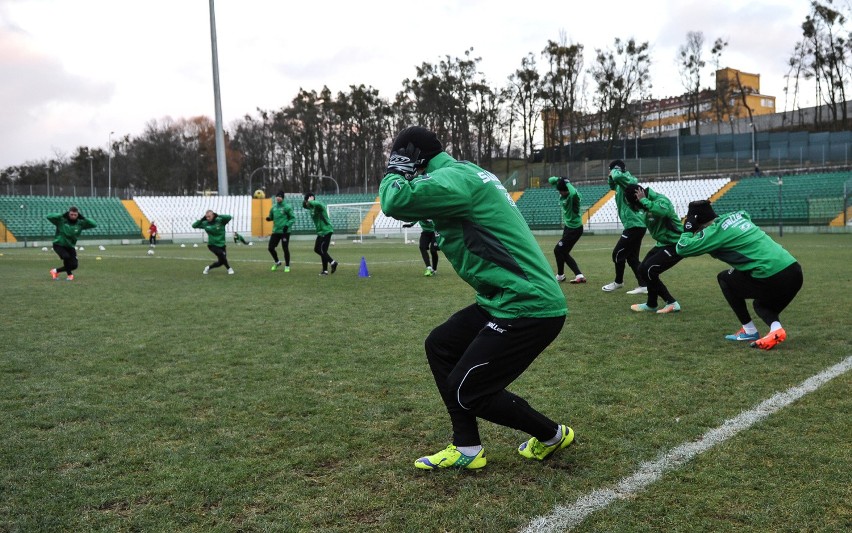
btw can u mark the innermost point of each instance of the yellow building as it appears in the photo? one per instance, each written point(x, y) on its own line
point(735, 93)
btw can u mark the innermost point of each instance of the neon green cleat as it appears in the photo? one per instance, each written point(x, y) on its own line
point(275, 267)
point(428, 272)
point(534, 449)
point(451, 458)
point(286, 269)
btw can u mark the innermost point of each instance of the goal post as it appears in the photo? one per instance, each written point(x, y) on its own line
point(364, 218)
point(354, 218)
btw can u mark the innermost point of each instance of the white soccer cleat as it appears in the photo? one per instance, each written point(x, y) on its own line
point(639, 290)
point(609, 287)
point(206, 270)
point(230, 271)
point(560, 277)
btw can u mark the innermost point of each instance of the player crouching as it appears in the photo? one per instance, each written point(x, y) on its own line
point(762, 269)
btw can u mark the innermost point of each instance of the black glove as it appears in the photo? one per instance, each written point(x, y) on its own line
point(619, 164)
point(269, 219)
point(404, 161)
point(409, 225)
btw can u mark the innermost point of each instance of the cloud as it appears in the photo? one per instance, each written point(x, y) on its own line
point(38, 94)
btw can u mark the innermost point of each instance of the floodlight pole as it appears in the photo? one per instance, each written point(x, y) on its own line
point(91, 173)
point(109, 164)
point(220, 132)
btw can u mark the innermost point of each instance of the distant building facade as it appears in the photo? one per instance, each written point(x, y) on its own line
point(736, 96)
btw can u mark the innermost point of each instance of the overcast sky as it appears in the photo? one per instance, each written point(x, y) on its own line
point(72, 71)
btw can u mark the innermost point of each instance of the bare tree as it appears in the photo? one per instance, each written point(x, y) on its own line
point(622, 74)
point(560, 87)
point(690, 65)
point(526, 86)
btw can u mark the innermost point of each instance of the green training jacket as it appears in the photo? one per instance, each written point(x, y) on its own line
point(320, 218)
point(661, 218)
point(282, 216)
point(484, 236)
point(66, 232)
point(215, 230)
point(427, 225)
point(617, 182)
point(736, 240)
point(570, 205)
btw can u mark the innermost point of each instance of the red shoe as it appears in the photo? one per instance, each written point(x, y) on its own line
point(54, 274)
point(70, 277)
point(770, 341)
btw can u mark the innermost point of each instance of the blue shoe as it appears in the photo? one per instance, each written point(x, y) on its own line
point(741, 335)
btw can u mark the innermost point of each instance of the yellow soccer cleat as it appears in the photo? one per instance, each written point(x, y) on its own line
point(534, 449)
point(451, 458)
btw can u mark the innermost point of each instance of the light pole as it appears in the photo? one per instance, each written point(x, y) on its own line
point(255, 171)
point(332, 179)
point(109, 165)
point(753, 160)
point(48, 177)
point(780, 184)
point(91, 172)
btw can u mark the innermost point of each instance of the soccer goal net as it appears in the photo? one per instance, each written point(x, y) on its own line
point(365, 218)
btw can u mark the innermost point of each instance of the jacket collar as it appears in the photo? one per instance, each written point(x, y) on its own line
point(439, 161)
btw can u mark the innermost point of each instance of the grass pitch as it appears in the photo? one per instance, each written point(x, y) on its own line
point(145, 396)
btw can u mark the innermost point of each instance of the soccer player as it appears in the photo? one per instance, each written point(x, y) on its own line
point(239, 239)
point(428, 245)
point(69, 225)
point(762, 269)
point(665, 228)
point(627, 248)
point(152, 234)
point(214, 225)
point(519, 307)
point(569, 200)
point(324, 232)
point(282, 217)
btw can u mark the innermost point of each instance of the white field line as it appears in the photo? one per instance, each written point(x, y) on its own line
point(564, 518)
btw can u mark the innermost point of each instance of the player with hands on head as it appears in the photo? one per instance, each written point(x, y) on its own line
point(665, 227)
point(761, 269)
point(626, 250)
point(325, 230)
point(519, 309)
point(282, 217)
point(214, 225)
point(69, 226)
point(428, 245)
point(569, 201)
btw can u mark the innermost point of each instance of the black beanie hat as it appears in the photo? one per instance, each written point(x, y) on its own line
point(619, 164)
point(562, 184)
point(308, 195)
point(279, 194)
point(630, 196)
point(421, 138)
point(699, 212)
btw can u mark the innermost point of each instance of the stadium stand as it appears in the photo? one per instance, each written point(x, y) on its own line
point(24, 216)
point(680, 192)
point(541, 209)
point(806, 198)
point(174, 215)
